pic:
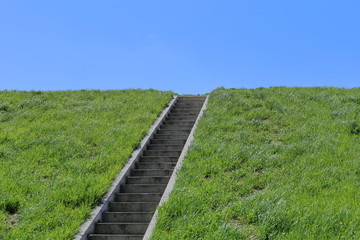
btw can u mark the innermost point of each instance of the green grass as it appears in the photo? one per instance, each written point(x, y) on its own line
point(277, 163)
point(60, 151)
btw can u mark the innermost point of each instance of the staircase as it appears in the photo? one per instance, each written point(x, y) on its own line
point(129, 215)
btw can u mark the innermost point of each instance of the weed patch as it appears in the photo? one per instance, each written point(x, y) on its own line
point(354, 128)
point(4, 108)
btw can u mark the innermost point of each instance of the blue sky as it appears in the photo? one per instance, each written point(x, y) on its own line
point(184, 46)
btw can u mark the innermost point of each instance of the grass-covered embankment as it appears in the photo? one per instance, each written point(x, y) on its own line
point(278, 163)
point(60, 151)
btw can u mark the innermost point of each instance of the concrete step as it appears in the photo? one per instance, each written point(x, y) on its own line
point(181, 100)
point(179, 122)
point(116, 237)
point(189, 114)
point(178, 115)
point(158, 159)
point(147, 180)
point(138, 197)
point(186, 108)
point(142, 188)
point(181, 118)
point(156, 165)
point(180, 104)
point(170, 142)
point(121, 228)
point(127, 217)
point(132, 206)
point(176, 127)
point(192, 98)
point(171, 136)
point(164, 153)
point(152, 172)
point(189, 107)
point(165, 147)
point(195, 105)
point(185, 111)
point(185, 105)
point(174, 132)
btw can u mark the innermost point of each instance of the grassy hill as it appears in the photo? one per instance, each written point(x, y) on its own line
point(60, 151)
point(277, 163)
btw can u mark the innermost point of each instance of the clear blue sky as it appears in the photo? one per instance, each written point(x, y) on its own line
point(184, 46)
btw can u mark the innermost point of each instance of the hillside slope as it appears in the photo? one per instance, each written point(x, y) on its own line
point(60, 151)
point(277, 163)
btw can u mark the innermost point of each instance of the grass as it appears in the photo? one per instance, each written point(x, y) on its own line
point(60, 151)
point(277, 163)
